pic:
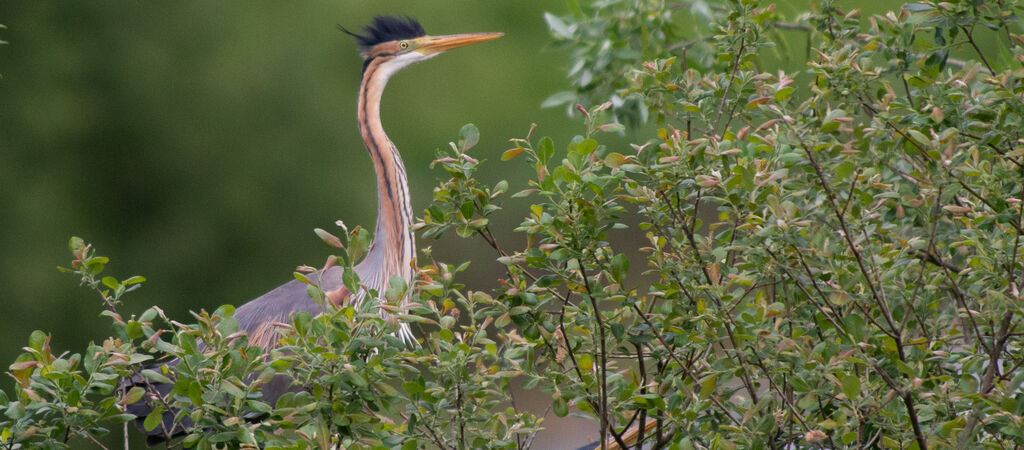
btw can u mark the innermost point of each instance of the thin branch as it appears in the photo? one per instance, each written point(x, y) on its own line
point(830, 317)
point(643, 391)
point(945, 169)
point(430, 431)
point(906, 395)
point(848, 237)
point(685, 367)
point(728, 85)
point(906, 88)
point(568, 348)
point(961, 299)
point(853, 187)
point(1012, 267)
point(920, 273)
point(603, 360)
point(930, 258)
point(94, 441)
point(970, 38)
point(1001, 152)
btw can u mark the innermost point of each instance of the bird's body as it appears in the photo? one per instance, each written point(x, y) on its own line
point(387, 45)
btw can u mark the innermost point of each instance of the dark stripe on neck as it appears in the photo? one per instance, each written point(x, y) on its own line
point(382, 57)
point(391, 173)
point(372, 144)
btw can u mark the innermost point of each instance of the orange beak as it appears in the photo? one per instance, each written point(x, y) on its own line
point(437, 44)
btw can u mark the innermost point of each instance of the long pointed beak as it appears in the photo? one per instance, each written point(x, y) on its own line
point(437, 44)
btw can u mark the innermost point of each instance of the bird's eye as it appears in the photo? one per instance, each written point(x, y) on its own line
point(404, 45)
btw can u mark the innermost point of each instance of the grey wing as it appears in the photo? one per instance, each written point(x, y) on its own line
point(258, 317)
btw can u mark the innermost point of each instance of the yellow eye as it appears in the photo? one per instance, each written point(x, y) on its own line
point(404, 45)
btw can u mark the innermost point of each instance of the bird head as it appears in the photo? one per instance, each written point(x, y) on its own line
point(402, 41)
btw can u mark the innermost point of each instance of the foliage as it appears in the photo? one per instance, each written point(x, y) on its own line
point(360, 386)
point(829, 265)
point(834, 267)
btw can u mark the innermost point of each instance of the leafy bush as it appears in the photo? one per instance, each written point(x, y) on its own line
point(829, 259)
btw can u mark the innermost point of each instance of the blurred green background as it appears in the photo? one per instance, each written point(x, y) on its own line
point(199, 143)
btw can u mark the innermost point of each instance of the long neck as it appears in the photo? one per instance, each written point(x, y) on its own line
point(393, 247)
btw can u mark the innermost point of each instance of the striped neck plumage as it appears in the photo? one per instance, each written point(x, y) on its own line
point(393, 247)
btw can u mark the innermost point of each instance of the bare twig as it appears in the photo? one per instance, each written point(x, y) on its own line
point(970, 38)
point(728, 86)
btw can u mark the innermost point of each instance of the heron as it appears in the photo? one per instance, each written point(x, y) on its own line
point(387, 45)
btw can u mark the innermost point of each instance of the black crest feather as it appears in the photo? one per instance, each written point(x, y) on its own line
point(387, 28)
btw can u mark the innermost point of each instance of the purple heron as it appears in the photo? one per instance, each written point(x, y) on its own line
point(387, 45)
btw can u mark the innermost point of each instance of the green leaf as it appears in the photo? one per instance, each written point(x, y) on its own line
point(149, 314)
point(96, 264)
point(464, 231)
point(559, 406)
point(844, 170)
point(586, 362)
point(503, 320)
point(133, 329)
point(918, 7)
point(519, 310)
point(446, 334)
point(783, 94)
point(413, 387)
point(385, 389)
point(357, 379)
point(469, 136)
point(545, 149)
point(134, 394)
point(155, 376)
point(302, 277)
point(395, 290)
point(614, 160)
point(708, 385)
point(37, 340)
point(620, 265)
point(110, 282)
point(499, 187)
point(468, 209)
point(351, 280)
point(154, 418)
point(586, 147)
point(919, 137)
point(851, 385)
point(116, 418)
point(478, 223)
point(829, 126)
point(618, 330)
point(856, 326)
point(231, 389)
point(612, 127)
point(511, 153)
point(301, 322)
point(225, 436)
point(328, 238)
point(134, 280)
point(558, 99)
point(75, 244)
point(557, 26)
